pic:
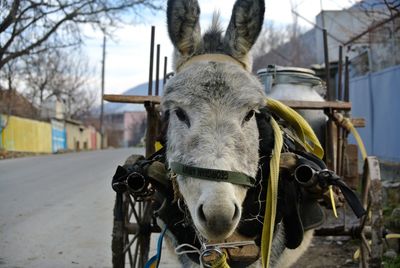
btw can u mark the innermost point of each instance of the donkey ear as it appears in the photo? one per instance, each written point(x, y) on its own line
point(183, 25)
point(244, 27)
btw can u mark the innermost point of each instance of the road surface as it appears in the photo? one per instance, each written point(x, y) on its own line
point(56, 211)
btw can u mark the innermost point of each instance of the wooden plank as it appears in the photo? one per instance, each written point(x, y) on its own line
point(358, 122)
point(330, 142)
point(350, 169)
point(249, 253)
point(308, 105)
point(318, 105)
point(131, 99)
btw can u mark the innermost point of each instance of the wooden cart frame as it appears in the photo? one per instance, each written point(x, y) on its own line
point(134, 221)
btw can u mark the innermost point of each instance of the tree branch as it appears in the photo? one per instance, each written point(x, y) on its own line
point(11, 16)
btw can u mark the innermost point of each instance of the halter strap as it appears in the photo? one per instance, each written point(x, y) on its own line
point(213, 174)
point(211, 57)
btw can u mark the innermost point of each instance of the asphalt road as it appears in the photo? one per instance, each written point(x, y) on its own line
point(56, 211)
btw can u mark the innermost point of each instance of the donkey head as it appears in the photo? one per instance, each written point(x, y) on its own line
point(211, 103)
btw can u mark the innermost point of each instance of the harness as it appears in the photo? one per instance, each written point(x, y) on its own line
point(289, 200)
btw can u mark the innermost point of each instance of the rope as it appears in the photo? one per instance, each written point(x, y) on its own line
point(175, 187)
point(220, 262)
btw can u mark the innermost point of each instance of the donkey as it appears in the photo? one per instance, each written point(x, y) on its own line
point(212, 103)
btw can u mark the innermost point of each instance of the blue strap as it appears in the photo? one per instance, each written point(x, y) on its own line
point(154, 261)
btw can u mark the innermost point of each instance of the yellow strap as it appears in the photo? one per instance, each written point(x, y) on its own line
point(300, 125)
point(392, 236)
point(332, 201)
point(157, 146)
point(348, 125)
point(358, 140)
point(272, 196)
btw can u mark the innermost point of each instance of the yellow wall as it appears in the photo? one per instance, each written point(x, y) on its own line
point(77, 135)
point(25, 135)
point(98, 137)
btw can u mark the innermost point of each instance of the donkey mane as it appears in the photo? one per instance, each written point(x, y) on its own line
point(212, 38)
point(212, 41)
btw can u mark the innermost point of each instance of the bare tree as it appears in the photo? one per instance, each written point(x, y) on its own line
point(271, 37)
point(386, 8)
point(32, 26)
point(63, 75)
point(75, 86)
point(41, 72)
point(282, 45)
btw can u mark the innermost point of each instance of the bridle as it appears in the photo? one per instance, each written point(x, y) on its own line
point(219, 175)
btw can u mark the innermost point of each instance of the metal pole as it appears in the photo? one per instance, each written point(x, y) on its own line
point(157, 69)
point(346, 99)
point(331, 95)
point(102, 92)
point(165, 71)
point(339, 153)
point(150, 108)
point(330, 154)
point(340, 70)
point(150, 91)
point(346, 80)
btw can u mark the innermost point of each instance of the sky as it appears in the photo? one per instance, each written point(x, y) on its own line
point(127, 53)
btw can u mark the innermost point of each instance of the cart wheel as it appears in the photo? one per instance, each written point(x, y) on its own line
point(132, 228)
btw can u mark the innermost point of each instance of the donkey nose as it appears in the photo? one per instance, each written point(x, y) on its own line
point(218, 219)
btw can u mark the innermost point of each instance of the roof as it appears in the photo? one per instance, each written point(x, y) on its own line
point(14, 103)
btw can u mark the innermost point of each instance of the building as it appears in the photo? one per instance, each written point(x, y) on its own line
point(125, 129)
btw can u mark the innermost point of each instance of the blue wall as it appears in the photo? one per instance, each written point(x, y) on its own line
point(376, 97)
point(59, 139)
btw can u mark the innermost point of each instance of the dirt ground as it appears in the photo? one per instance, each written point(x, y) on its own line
point(329, 252)
point(332, 251)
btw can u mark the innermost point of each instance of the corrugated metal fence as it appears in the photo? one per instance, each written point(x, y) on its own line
point(376, 97)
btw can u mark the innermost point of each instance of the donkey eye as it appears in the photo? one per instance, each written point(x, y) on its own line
point(249, 116)
point(182, 116)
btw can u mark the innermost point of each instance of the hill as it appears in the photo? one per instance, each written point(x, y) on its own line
point(141, 90)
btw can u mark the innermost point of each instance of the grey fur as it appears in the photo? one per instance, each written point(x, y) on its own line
point(216, 97)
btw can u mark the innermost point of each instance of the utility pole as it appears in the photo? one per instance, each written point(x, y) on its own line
point(103, 61)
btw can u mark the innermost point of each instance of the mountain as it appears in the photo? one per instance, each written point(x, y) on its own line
point(141, 90)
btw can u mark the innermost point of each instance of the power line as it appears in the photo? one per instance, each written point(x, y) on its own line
point(373, 27)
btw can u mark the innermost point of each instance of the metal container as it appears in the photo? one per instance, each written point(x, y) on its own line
point(292, 83)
